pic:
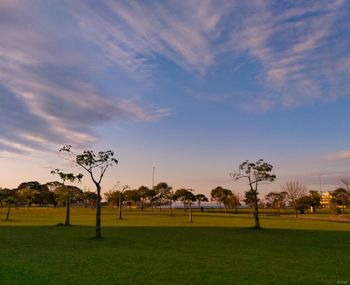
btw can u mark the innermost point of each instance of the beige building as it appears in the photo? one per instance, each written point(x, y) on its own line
point(326, 199)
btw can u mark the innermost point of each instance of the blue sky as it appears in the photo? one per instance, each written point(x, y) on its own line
point(190, 87)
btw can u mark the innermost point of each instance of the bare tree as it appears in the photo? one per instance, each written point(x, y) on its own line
point(295, 190)
point(346, 182)
point(256, 173)
point(96, 165)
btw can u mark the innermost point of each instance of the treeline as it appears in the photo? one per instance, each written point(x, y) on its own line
point(161, 195)
point(294, 195)
point(52, 193)
point(55, 194)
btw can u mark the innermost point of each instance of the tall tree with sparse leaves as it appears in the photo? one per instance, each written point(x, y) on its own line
point(201, 198)
point(163, 193)
point(219, 194)
point(96, 165)
point(8, 198)
point(186, 197)
point(71, 178)
point(256, 173)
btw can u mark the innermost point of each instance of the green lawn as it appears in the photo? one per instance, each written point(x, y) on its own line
point(153, 248)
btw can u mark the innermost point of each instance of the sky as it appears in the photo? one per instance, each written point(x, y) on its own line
point(191, 88)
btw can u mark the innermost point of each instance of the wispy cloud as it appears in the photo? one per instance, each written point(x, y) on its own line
point(46, 96)
point(341, 155)
point(301, 48)
point(131, 34)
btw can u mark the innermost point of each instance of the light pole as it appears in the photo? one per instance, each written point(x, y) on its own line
point(153, 177)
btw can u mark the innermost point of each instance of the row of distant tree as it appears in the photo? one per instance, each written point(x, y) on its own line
point(161, 194)
point(56, 194)
point(294, 195)
point(52, 193)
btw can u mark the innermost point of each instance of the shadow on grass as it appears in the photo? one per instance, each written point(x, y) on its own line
point(172, 255)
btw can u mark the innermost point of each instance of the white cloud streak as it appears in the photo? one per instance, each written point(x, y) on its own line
point(46, 99)
point(132, 33)
point(300, 48)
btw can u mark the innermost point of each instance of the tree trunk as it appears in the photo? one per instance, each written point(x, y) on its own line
point(256, 213)
point(120, 206)
point(8, 212)
point(296, 211)
point(171, 208)
point(190, 212)
point(98, 211)
point(67, 223)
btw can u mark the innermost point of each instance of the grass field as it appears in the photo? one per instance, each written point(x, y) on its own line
point(152, 248)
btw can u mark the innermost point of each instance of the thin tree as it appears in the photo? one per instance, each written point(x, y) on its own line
point(220, 194)
point(315, 199)
point(233, 200)
point(142, 193)
point(340, 197)
point(11, 200)
point(96, 165)
point(201, 198)
point(8, 198)
point(163, 193)
point(276, 200)
point(71, 178)
point(126, 187)
point(295, 190)
point(186, 197)
point(256, 173)
point(89, 197)
point(26, 195)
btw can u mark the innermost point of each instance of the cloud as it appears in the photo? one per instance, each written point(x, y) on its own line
point(53, 58)
point(341, 155)
point(131, 34)
point(46, 96)
point(300, 47)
